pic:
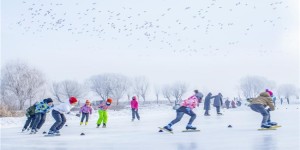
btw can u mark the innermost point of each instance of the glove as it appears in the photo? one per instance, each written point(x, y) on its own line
point(78, 115)
point(188, 109)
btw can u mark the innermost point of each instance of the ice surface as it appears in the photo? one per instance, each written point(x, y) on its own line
point(122, 134)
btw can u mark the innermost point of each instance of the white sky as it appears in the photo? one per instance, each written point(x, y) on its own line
point(209, 44)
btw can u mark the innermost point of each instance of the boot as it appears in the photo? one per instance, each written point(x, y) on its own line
point(81, 123)
point(168, 127)
point(265, 125)
point(104, 125)
point(190, 127)
point(86, 123)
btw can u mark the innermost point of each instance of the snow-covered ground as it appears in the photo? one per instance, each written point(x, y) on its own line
point(122, 134)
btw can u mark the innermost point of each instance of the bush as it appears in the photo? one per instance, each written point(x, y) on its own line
point(5, 111)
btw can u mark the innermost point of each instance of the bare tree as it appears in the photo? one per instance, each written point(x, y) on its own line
point(166, 91)
point(141, 86)
point(177, 90)
point(100, 84)
point(287, 90)
point(119, 85)
point(22, 81)
point(251, 86)
point(157, 91)
point(72, 88)
point(56, 91)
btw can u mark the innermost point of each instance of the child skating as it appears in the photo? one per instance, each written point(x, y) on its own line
point(41, 109)
point(135, 108)
point(259, 105)
point(58, 114)
point(103, 112)
point(186, 107)
point(85, 111)
point(30, 114)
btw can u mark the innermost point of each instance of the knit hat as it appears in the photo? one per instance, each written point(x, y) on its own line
point(134, 97)
point(72, 100)
point(87, 102)
point(109, 100)
point(48, 100)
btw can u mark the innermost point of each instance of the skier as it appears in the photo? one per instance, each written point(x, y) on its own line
point(58, 114)
point(134, 108)
point(103, 112)
point(218, 103)
point(30, 114)
point(85, 110)
point(41, 109)
point(259, 104)
point(199, 96)
point(207, 103)
point(186, 108)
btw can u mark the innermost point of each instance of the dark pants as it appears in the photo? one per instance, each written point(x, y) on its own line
point(179, 114)
point(261, 109)
point(60, 120)
point(30, 120)
point(135, 113)
point(206, 112)
point(85, 115)
point(218, 109)
point(39, 120)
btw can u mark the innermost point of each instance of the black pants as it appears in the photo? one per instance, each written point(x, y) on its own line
point(30, 120)
point(39, 120)
point(60, 120)
point(85, 115)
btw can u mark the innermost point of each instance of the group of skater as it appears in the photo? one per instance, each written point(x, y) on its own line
point(36, 114)
point(262, 104)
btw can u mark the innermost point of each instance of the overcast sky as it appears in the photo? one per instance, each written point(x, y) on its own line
point(209, 44)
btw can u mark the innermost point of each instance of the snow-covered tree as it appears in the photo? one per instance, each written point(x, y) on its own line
point(141, 86)
point(251, 86)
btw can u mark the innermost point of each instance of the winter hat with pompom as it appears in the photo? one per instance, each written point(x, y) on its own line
point(73, 100)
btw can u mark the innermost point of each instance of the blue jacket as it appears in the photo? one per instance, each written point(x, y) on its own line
point(218, 100)
point(42, 107)
point(207, 101)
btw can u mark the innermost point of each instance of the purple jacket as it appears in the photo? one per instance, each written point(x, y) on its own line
point(86, 109)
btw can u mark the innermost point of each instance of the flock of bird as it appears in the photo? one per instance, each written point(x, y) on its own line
point(181, 29)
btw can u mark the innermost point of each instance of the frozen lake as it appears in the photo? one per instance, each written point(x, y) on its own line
point(123, 134)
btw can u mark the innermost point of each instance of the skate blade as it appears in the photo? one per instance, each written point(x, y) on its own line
point(262, 129)
point(165, 130)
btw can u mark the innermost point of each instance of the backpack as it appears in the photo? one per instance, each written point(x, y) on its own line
point(31, 110)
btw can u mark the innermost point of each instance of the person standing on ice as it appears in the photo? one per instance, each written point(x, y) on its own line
point(135, 108)
point(218, 103)
point(103, 112)
point(259, 105)
point(85, 110)
point(227, 103)
point(207, 99)
point(58, 114)
point(41, 109)
point(186, 107)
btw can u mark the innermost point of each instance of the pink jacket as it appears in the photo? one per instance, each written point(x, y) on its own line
point(134, 104)
point(191, 102)
point(86, 109)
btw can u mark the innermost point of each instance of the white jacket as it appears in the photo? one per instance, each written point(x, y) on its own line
point(63, 108)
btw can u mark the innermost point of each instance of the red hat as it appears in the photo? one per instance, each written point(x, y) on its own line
point(73, 100)
point(109, 100)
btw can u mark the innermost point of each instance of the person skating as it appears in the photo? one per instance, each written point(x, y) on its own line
point(30, 114)
point(207, 99)
point(103, 112)
point(41, 109)
point(186, 107)
point(85, 110)
point(58, 113)
point(135, 108)
point(259, 105)
point(218, 103)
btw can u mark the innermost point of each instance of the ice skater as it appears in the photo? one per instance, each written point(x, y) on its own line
point(259, 105)
point(135, 108)
point(58, 114)
point(207, 99)
point(30, 114)
point(218, 103)
point(41, 109)
point(103, 112)
point(85, 111)
point(186, 107)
